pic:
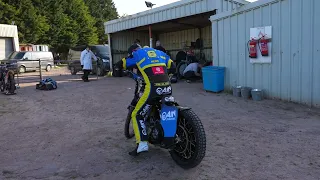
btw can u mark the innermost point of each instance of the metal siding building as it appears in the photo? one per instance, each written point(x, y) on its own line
point(9, 40)
point(294, 73)
point(175, 40)
point(174, 24)
point(168, 12)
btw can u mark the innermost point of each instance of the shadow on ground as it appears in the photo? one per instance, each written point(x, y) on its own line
point(76, 132)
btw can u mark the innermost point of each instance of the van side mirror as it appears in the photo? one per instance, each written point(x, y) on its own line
point(25, 58)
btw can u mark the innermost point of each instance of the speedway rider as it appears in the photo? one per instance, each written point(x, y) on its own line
point(131, 49)
point(154, 67)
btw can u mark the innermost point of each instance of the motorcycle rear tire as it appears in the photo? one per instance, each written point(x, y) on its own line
point(12, 83)
point(127, 132)
point(200, 142)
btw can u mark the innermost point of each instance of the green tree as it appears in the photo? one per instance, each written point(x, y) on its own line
point(70, 24)
point(7, 13)
point(32, 26)
point(83, 23)
point(61, 35)
point(59, 23)
point(102, 11)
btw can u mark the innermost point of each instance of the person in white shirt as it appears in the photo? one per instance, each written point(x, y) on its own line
point(192, 72)
point(86, 62)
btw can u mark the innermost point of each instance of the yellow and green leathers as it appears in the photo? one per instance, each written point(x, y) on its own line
point(154, 66)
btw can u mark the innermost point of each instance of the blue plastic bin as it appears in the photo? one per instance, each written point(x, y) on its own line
point(213, 78)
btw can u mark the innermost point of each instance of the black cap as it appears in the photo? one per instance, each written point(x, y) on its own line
point(132, 47)
point(136, 41)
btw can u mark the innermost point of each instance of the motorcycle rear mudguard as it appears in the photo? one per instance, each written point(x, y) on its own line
point(169, 120)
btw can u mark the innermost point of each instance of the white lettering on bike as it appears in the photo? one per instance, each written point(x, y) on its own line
point(145, 110)
point(168, 116)
point(166, 90)
point(169, 99)
point(143, 126)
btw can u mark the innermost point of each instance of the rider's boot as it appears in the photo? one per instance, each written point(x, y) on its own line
point(141, 147)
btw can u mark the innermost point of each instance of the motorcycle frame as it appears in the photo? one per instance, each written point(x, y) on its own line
point(167, 143)
point(5, 72)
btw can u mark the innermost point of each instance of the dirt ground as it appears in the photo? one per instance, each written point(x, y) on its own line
point(76, 132)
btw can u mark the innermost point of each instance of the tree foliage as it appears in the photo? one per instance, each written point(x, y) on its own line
point(59, 23)
point(102, 11)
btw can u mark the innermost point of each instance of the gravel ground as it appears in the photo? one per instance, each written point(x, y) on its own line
point(76, 132)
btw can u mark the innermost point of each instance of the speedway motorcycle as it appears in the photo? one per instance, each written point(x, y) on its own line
point(171, 127)
point(7, 81)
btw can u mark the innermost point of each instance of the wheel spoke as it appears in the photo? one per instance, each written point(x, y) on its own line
point(187, 142)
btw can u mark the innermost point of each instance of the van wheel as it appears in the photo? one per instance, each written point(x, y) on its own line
point(48, 68)
point(73, 71)
point(22, 69)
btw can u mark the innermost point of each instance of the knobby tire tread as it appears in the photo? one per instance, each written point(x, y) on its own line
point(127, 125)
point(200, 151)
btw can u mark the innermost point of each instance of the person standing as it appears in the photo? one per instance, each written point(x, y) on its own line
point(159, 47)
point(86, 62)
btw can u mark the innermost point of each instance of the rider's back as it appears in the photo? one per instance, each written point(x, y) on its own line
point(151, 56)
point(152, 63)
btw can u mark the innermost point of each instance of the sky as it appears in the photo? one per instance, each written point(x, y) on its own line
point(129, 8)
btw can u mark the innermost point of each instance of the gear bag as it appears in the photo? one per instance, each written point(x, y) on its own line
point(47, 84)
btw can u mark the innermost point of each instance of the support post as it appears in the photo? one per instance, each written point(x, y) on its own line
point(40, 70)
point(111, 60)
point(215, 47)
point(150, 36)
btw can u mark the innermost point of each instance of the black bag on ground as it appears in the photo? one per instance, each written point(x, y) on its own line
point(47, 84)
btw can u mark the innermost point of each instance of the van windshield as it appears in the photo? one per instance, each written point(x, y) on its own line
point(16, 55)
point(103, 51)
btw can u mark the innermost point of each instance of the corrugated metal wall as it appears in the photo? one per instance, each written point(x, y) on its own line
point(174, 41)
point(160, 14)
point(10, 31)
point(171, 11)
point(171, 41)
point(121, 41)
point(294, 74)
point(227, 5)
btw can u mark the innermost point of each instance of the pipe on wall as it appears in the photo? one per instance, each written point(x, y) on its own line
point(150, 36)
point(109, 44)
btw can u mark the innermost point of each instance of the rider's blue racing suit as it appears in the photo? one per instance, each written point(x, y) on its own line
point(154, 66)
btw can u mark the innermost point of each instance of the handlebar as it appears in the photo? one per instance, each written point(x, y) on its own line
point(135, 76)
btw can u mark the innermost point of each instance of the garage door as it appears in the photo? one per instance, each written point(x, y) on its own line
point(6, 47)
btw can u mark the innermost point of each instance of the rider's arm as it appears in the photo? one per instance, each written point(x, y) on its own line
point(81, 58)
point(127, 63)
point(94, 56)
point(170, 65)
point(196, 71)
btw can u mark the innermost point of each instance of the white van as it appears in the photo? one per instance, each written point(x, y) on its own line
point(28, 60)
